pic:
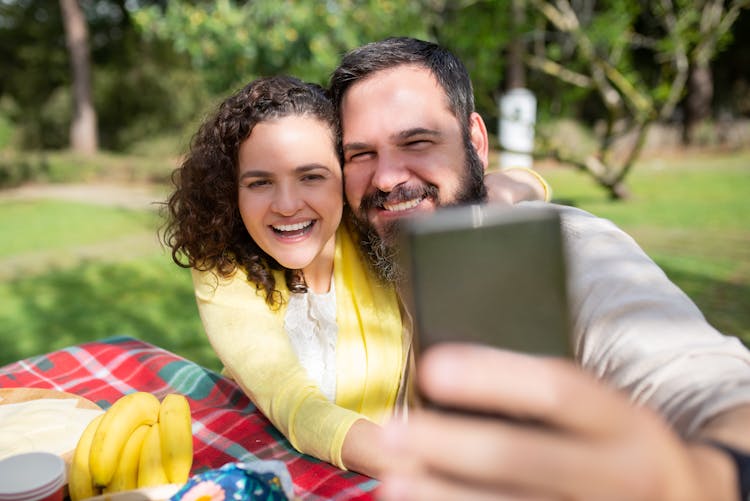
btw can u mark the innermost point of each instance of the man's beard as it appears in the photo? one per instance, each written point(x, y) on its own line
point(381, 247)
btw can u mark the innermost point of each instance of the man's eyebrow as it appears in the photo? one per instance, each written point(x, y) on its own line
point(355, 146)
point(417, 131)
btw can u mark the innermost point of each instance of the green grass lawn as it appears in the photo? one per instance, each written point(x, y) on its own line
point(73, 272)
point(690, 215)
point(148, 298)
point(57, 226)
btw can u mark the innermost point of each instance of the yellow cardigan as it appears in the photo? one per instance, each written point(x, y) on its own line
point(250, 340)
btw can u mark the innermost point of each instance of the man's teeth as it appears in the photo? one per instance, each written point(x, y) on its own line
point(402, 206)
point(292, 227)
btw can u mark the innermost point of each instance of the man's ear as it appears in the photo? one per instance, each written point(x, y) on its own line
point(479, 138)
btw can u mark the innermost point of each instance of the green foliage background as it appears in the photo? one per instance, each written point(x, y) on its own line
point(232, 43)
point(160, 66)
point(74, 272)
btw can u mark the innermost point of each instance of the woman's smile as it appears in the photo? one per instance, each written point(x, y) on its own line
point(294, 230)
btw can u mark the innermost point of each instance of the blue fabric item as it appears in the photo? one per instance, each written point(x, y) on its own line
point(258, 480)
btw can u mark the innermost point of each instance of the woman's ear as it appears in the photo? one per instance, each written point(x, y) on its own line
point(479, 138)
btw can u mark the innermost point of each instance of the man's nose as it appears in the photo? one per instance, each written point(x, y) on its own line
point(286, 200)
point(390, 171)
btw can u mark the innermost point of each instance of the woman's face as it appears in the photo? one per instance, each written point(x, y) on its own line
point(290, 191)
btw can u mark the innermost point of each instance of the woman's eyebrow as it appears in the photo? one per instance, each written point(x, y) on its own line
point(299, 170)
point(308, 167)
point(255, 173)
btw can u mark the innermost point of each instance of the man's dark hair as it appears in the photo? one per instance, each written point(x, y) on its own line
point(448, 70)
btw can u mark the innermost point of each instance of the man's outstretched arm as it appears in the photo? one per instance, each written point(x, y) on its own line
point(630, 420)
point(572, 437)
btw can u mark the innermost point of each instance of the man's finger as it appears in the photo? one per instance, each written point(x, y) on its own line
point(397, 487)
point(498, 454)
point(545, 390)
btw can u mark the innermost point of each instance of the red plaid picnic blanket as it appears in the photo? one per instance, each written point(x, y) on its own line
point(226, 425)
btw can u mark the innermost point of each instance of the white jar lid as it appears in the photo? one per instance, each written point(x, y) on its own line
point(30, 476)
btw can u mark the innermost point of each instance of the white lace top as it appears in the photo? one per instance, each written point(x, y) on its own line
point(310, 323)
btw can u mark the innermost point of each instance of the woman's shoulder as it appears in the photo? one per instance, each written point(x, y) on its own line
point(235, 287)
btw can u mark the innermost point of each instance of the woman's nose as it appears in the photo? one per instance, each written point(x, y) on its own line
point(286, 201)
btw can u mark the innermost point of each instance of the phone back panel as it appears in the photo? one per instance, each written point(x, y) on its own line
point(490, 275)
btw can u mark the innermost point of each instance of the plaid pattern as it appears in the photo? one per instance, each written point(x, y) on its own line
point(226, 425)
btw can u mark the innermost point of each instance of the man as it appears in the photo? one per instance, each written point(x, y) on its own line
point(412, 142)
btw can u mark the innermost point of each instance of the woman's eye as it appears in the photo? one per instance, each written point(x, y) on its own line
point(313, 177)
point(362, 155)
point(258, 184)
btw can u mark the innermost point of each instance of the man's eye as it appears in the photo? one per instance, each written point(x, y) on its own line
point(418, 143)
point(360, 156)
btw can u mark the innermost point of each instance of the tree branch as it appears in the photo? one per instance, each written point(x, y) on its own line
point(558, 71)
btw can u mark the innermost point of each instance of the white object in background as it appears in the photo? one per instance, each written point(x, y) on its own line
point(516, 128)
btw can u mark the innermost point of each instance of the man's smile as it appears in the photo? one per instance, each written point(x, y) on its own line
point(402, 206)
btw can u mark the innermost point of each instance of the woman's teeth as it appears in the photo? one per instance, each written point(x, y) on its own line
point(292, 227)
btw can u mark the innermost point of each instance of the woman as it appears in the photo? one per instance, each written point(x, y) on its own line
point(290, 307)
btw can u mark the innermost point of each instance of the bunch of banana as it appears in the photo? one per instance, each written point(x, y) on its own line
point(138, 442)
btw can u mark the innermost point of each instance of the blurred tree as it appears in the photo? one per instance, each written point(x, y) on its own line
point(233, 42)
point(592, 45)
point(706, 26)
point(156, 65)
point(33, 63)
point(479, 32)
point(83, 134)
point(515, 74)
point(139, 88)
point(731, 71)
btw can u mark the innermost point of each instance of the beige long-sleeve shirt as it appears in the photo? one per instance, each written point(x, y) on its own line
point(638, 331)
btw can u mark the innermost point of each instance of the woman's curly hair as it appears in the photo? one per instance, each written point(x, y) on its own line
point(204, 229)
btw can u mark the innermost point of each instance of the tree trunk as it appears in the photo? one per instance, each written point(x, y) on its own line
point(618, 191)
point(515, 72)
point(700, 94)
point(83, 133)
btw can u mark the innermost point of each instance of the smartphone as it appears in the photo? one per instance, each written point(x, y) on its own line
point(487, 274)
